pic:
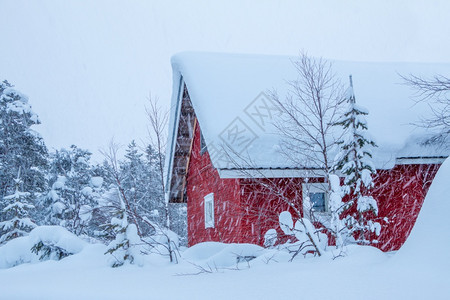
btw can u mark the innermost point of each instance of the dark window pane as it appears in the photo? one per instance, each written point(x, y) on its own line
point(318, 201)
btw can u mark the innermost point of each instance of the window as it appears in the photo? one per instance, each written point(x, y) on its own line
point(317, 195)
point(318, 201)
point(209, 210)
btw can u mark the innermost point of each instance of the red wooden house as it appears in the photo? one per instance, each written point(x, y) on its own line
point(224, 159)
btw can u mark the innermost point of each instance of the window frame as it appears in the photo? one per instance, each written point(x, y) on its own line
point(315, 187)
point(208, 201)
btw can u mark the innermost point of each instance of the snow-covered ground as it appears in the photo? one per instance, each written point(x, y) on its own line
point(365, 274)
point(420, 270)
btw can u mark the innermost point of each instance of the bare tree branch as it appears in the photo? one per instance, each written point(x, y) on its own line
point(309, 113)
point(158, 136)
point(111, 156)
point(436, 93)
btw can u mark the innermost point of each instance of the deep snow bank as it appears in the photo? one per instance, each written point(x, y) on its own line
point(429, 241)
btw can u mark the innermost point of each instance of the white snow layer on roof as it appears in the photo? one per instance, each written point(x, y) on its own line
point(224, 88)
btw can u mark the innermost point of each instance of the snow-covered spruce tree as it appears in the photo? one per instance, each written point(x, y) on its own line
point(129, 184)
point(137, 178)
point(125, 247)
point(354, 161)
point(16, 213)
point(140, 183)
point(20, 146)
point(71, 199)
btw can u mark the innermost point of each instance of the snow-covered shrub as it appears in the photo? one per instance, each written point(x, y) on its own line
point(54, 242)
point(42, 243)
point(49, 251)
point(270, 238)
point(286, 222)
point(308, 239)
point(374, 227)
point(164, 242)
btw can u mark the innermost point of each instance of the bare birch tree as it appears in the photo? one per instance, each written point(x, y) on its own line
point(157, 132)
point(111, 157)
point(309, 112)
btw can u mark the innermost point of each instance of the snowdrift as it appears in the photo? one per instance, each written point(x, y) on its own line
point(220, 255)
point(18, 251)
point(429, 240)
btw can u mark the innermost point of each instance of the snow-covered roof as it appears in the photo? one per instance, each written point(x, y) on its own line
point(224, 89)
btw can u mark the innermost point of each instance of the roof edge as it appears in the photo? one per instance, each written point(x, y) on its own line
point(312, 172)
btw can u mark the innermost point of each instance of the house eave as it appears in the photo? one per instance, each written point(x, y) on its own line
point(311, 172)
point(270, 173)
point(420, 160)
point(172, 134)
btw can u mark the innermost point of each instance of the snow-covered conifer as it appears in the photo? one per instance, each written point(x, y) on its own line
point(18, 222)
point(140, 182)
point(125, 247)
point(20, 146)
point(71, 199)
point(354, 161)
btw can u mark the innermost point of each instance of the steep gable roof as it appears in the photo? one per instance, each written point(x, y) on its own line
point(224, 89)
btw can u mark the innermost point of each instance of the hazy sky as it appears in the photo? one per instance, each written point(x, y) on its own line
point(89, 66)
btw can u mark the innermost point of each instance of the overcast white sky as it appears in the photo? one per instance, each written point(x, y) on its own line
point(89, 66)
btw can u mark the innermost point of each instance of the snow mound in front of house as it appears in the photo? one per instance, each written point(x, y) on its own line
point(429, 240)
point(18, 251)
point(220, 255)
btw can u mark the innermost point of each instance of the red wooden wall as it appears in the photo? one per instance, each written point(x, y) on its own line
point(400, 193)
point(246, 208)
point(203, 179)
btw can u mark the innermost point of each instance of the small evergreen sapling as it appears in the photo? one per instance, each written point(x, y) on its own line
point(17, 209)
point(49, 251)
point(124, 248)
point(354, 161)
